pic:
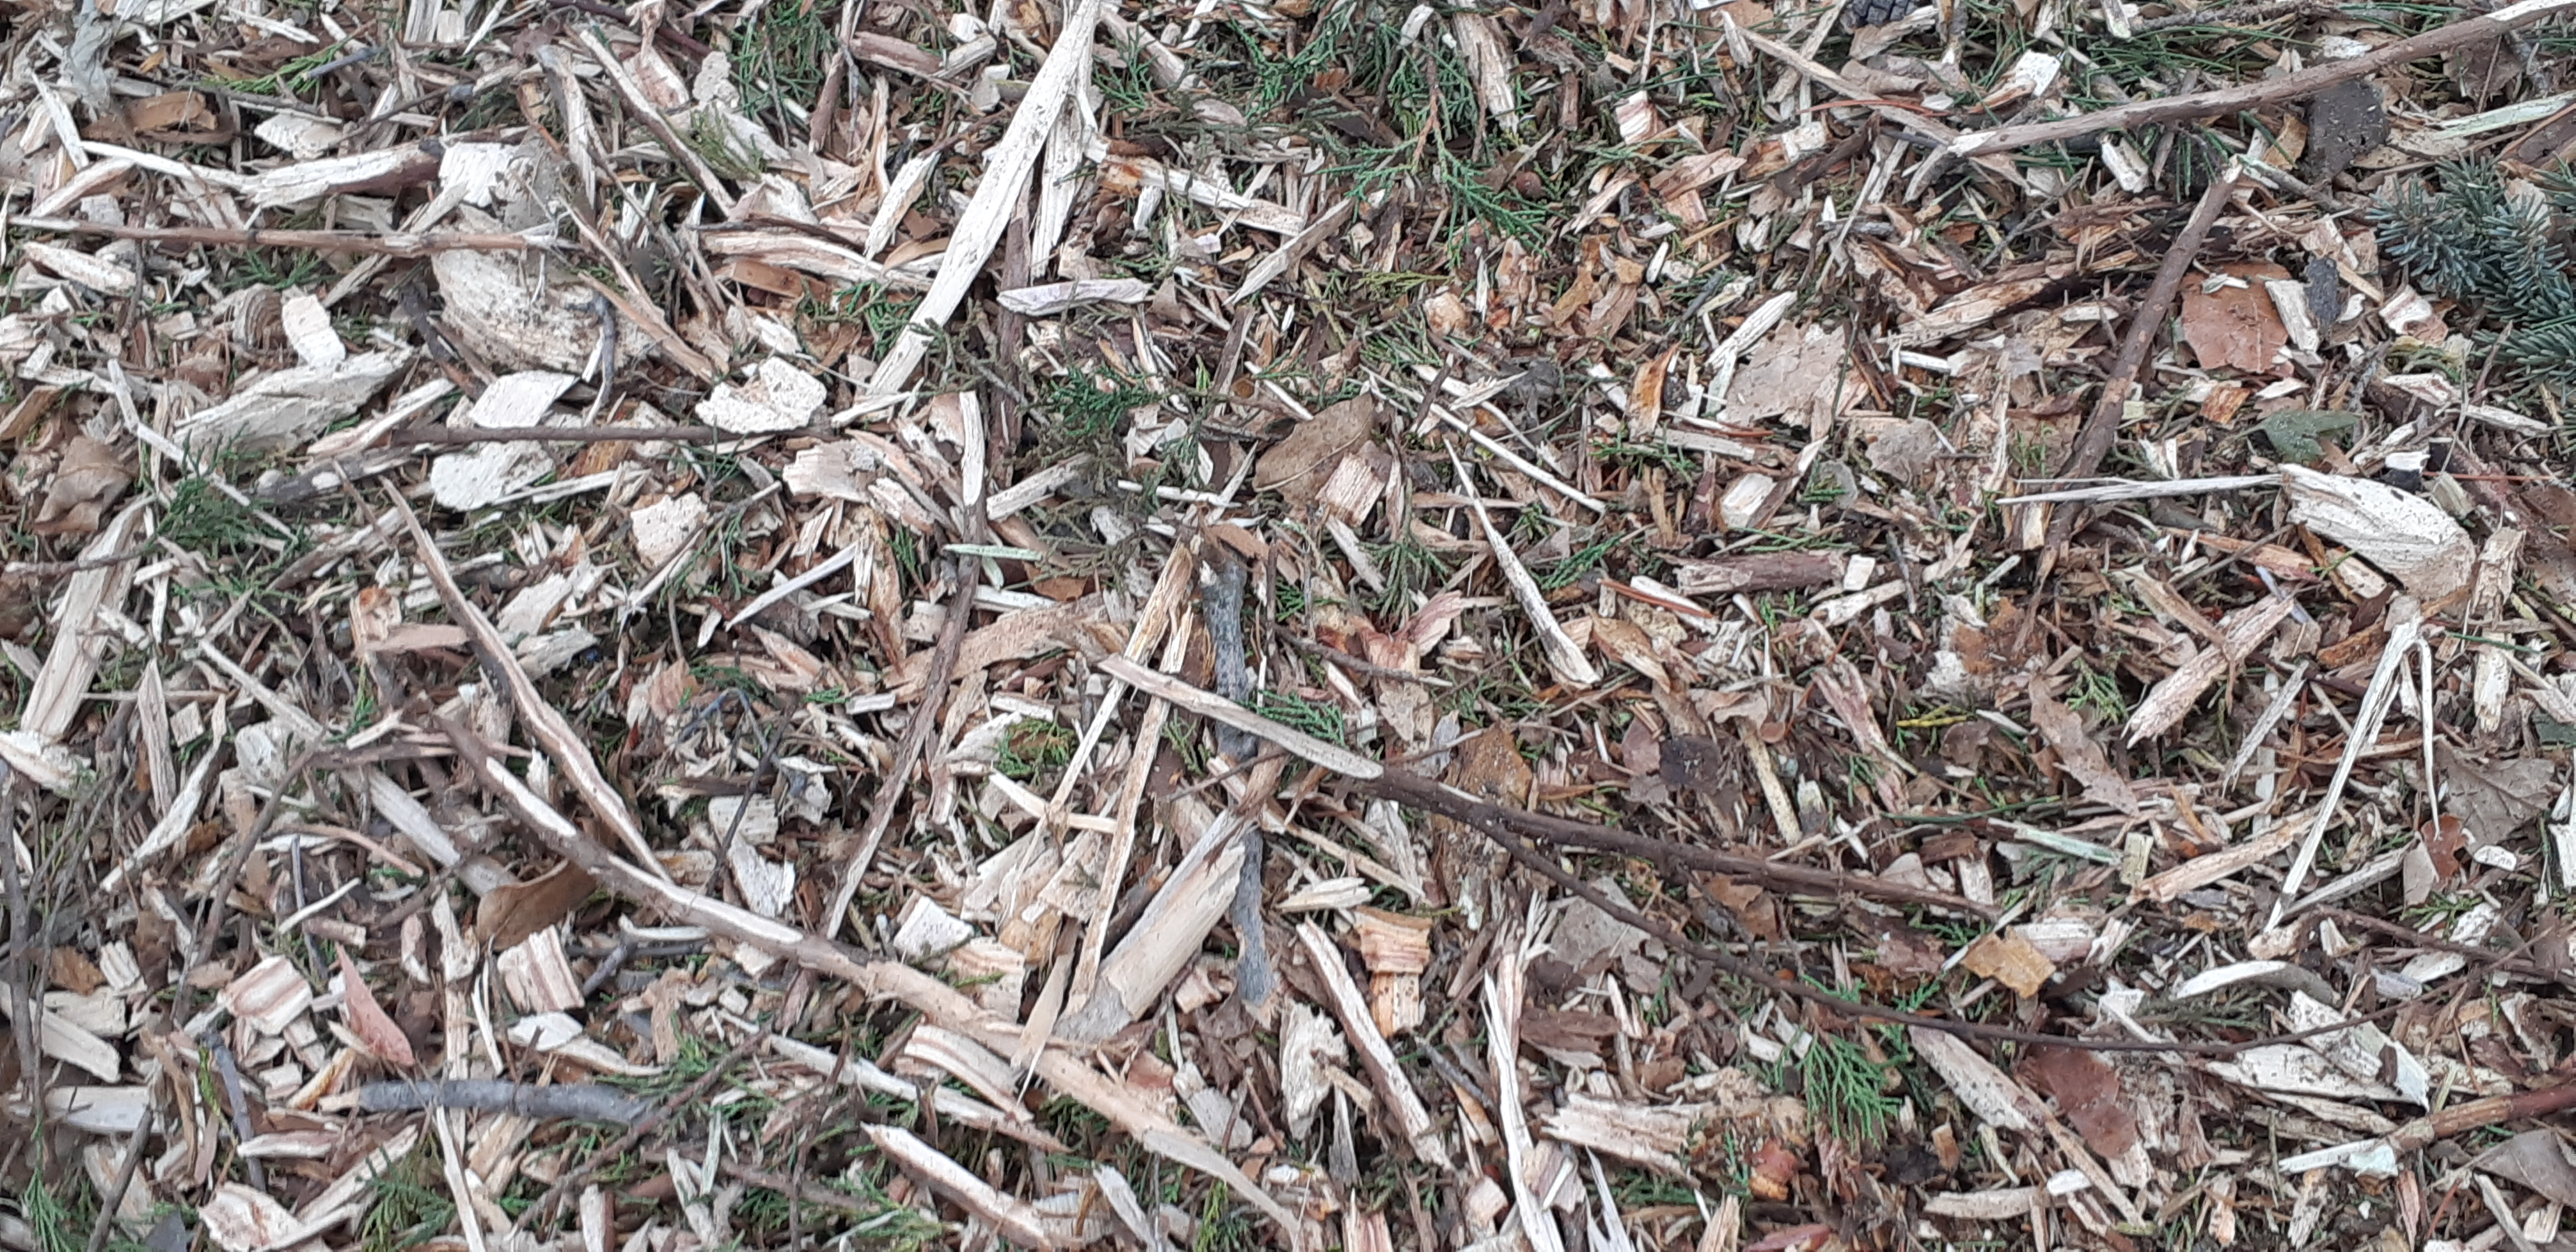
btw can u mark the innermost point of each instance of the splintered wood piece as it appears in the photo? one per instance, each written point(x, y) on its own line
point(1392, 943)
point(1015, 1219)
point(1395, 1002)
point(1395, 949)
point(996, 970)
point(1166, 938)
point(934, 1048)
point(545, 724)
point(1563, 656)
point(1007, 166)
point(1308, 1044)
point(1658, 1138)
point(1412, 1120)
point(1504, 994)
point(537, 975)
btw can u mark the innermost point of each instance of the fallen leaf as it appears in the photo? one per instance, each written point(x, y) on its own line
point(2235, 327)
point(367, 1019)
point(2445, 842)
point(2011, 960)
point(74, 972)
point(1774, 1167)
point(2494, 799)
point(2537, 1159)
point(175, 117)
point(1794, 1239)
point(1298, 464)
point(90, 477)
point(2088, 1089)
point(1753, 908)
point(2294, 432)
point(513, 911)
point(2077, 754)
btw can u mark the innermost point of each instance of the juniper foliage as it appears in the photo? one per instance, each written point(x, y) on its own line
point(2495, 252)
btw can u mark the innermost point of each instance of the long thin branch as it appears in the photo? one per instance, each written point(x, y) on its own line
point(411, 435)
point(916, 737)
point(579, 1101)
point(1510, 829)
point(372, 243)
point(1431, 797)
point(2093, 442)
point(1871, 1010)
point(2262, 92)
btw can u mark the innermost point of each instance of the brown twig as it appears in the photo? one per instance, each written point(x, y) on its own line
point(1327, 653)
point(916, 737)
point(1521, 851)
point(1430, 797)
point(2265, 91)
point(2502, 960)
point(443, 435)
point(2093, 442)
point(372, 243)
point(2491, 1111)
point(687, 1097)
point(57, 569)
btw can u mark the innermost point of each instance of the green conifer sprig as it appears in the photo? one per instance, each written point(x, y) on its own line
point(2495, 253)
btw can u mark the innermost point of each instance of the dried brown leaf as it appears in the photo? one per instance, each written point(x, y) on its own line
point(89, 478)
point(2235, 327)
point(367, 1018)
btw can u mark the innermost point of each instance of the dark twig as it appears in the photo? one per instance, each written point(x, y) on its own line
point(228, 1071)
point(2502, 960)
point(580, 1102)
point(1344, 660)
point(686, 1098)
point(2093, 442)
point(1223, 615)
point(114, 1198)
point(1529, 857)
point(1431, 797)
point(916, 737)
point(2259, 92)
point(23, 1004)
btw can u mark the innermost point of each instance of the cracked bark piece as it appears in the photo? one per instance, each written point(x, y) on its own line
point(2344, 121)
point(2325, 296)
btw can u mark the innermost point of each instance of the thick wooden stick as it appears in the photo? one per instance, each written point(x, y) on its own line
point(2491, 1111)
point(2253, 95)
